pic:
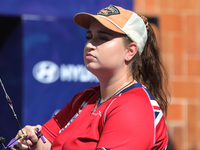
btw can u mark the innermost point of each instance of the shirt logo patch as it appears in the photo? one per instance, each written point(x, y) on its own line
point(110, 10)
point(98, 113)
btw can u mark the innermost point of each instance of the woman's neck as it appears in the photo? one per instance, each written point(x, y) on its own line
point(114, 87)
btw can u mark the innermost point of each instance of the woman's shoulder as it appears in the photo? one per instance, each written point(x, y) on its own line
point(93, 89)
point(86, 94)
point(136, 93)
point(89, 91)
point(135, 99)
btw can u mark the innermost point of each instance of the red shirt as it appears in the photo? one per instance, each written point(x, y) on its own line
point(130, 120)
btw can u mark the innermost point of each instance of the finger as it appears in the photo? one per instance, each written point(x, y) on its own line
point(19, 133)
point(32, 137)
point(39, 128)
point(26, 141)
point(22, 146)
point(23, 140)
point(19, 146)
point(29, 136)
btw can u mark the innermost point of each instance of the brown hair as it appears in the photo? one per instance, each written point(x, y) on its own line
point(149, 69)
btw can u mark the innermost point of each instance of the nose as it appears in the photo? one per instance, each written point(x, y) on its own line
point(89, 46)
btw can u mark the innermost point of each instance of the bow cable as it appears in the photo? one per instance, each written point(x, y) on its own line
point(11, 106)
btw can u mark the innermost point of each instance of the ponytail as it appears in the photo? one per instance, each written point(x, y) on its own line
point(150, 71)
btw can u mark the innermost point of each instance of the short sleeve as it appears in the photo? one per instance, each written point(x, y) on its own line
point(51, 128)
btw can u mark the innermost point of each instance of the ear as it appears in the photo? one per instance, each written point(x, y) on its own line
point(131, 50)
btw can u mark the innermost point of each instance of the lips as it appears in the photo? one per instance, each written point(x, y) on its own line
point(89, 56)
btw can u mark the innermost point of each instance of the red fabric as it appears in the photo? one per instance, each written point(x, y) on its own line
point(125, 121)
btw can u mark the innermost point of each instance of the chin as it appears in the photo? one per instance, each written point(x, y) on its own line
point(92, 70)
point(89, 68)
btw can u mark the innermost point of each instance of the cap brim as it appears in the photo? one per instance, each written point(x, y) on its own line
point(84, 20)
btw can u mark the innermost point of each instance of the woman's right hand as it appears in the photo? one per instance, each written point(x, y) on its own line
point(31, 140)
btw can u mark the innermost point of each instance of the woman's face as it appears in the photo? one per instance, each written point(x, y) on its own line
point(104, 51)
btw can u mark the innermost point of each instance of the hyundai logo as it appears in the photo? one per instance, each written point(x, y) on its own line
point(46, 72)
